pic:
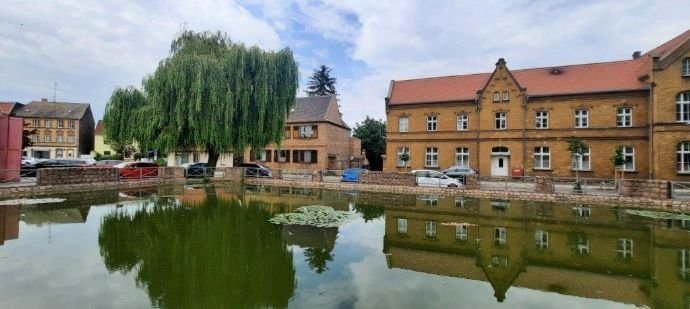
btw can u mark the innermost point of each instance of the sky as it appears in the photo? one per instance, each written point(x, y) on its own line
point(89, 48)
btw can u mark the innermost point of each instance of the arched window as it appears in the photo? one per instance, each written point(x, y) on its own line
point(683, 107)
point(683, 157)
point(685, 68)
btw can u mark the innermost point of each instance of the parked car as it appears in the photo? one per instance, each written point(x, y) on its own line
point(137, 170)
point(459, 172)
point(255, 170)
point(108, 163)
point(197, 170)
point(429, 178)
point(29, 170)
point(77, 162)
point(352, 174)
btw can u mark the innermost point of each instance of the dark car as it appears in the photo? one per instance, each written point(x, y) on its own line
point(352, 174)
point(459, 172)
point(137, 170)
point(198, 170)
point(255, 170)
point(30, 169)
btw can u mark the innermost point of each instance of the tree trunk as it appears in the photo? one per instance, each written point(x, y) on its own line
point(212, 156)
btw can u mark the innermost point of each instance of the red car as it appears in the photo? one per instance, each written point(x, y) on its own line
point(137, 170)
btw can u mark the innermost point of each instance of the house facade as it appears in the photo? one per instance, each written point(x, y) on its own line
point(515, 122)
point(62, 130)
point(316, 137)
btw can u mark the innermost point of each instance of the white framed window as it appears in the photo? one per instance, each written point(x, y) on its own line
point(500, 235)
point(581, 118)
point(625, 248)
point(506, 96)
point(461, 232)
point(431, 229)
point(306, 132)
point(402, 226)
point(499, 261)
point(629, 157)
point(684, 264)
point(34, 138)
point(60, 123)
point(460, 201)
point(37, 123)
point(497, 96)
point(431, 123)
point(462, 156)
point(582, 162)
point(542, 158)
point(49, 124)
point(403, 123)
point(431, 159)
point(283, 155)
point(683, 157)
point(542, 120)
point(70, 138)
point(58, 153)
point(581, 210)
point(582, 245)
point(685, 67)
point(683, 107)
point(401, 151)
point(59, 138)
point(262, 156)
point(462, 122)
point(71, 124)
point(624, 117)
point(501, 119)
point(541, 239)
point(47, 138)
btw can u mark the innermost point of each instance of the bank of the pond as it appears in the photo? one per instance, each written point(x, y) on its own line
point(637, 202)
point(27, 190)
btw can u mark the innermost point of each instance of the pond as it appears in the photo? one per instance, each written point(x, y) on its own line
point(214, 247)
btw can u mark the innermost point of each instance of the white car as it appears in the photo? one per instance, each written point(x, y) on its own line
point(429, 178)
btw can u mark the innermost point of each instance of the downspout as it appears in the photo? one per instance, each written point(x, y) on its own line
point(524, 133)
point(479, 127)
point(650, 143)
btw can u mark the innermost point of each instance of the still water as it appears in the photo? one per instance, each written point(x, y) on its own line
point(212, 247)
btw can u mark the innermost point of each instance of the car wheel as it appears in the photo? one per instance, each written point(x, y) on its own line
point(452, 185)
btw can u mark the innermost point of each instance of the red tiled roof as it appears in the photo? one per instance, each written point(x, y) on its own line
point(100, 129)
point(7, 107)
point(572, 79)
point(667, 48)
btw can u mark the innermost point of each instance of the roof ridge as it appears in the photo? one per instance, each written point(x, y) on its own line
point(441, 76)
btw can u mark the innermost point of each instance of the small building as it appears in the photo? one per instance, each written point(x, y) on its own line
point(62, 130)
point(99, 144)
point(316, 138)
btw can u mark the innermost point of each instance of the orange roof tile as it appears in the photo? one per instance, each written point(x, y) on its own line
point(100, 129)
point(667, 48)
point(572, 79)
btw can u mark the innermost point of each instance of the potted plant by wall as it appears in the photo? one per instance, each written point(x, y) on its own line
point(618, 160)
point(577, 148)
point(404, 157)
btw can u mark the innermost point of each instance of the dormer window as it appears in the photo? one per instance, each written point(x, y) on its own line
point(506, 96)
point(685, 68)
point(497, 96)
point(307, 132)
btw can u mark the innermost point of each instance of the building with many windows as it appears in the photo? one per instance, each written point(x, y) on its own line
point(517, 121)
point(62, 130)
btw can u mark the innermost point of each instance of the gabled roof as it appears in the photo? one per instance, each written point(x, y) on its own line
point(44, 109)
point(9, 107)
point(316, 109)
point(570, 79)
point(664, 50)
point(100, 128)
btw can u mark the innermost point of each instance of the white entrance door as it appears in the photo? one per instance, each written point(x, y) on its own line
point(499, 165)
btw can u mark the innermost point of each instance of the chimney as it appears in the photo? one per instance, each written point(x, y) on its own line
point(637, 54)
point(44, 100)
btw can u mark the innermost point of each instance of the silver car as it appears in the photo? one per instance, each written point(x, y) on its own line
point(459, 172)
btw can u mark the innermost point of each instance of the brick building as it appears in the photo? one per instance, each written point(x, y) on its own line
point(63, 130)
point(519, 119)
point(316, 137)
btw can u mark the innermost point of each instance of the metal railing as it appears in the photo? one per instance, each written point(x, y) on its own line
point(680, 190)
point(591, 186)
point(18, 176)
point(507, 183)
point(204, 172)
point(138, 173)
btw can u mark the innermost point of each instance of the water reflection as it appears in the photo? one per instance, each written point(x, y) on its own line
point(213, 254)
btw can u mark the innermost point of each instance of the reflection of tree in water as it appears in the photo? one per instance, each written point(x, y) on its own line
point(215, 255)
point(317, 258)
point(369, 212)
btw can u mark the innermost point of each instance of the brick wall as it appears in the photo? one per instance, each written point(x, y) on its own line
point(77, 175)
point(652, 189)
point(388, 178)
point(544, 185)
point(171, 172)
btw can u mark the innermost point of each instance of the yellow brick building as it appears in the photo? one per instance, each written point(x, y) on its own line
point(516, 121)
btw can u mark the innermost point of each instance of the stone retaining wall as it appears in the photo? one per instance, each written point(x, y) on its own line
point(653, 189)
point(75, 175)
point(24, 191)
point(171, 172)
point(388, 178)
point(544, 185)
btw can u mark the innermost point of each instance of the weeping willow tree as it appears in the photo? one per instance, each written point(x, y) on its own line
point(209, 93)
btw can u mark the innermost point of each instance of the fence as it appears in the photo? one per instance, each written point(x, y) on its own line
point(680, 190)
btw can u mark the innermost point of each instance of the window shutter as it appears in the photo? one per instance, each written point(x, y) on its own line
point(295, 156)
point(268, 155)
point(275, 155)
point(287, 156)
point(315, 131)
point(313, 156)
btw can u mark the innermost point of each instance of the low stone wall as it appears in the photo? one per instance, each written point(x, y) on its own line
point(388, 178)
point(75, 175)
point(653, 189)
point(233, 173)
point(23, 191)
point(171, 172)
point(471, 183)
point(544, 185)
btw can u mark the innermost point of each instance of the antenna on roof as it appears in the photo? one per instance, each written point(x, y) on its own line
point(54, 91)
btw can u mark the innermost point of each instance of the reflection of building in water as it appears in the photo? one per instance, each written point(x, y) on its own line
point(9, 223)
point(55, 216)
point(593, 252)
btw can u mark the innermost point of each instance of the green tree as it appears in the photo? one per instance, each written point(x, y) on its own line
point(209, 93)
point(26, 136)
point(372, 132)
point(618, 160)
point(318, 258)
point(321, 82)
point(577, 148)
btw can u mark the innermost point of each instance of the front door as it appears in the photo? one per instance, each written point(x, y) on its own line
point(499, 165)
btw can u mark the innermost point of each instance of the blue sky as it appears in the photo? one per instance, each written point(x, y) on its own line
point(89, 48)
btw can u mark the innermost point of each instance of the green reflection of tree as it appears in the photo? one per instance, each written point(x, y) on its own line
point(317, 258)
point(369, 212)
point(218, 255)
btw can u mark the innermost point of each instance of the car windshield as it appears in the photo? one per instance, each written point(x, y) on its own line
point(121, 165)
